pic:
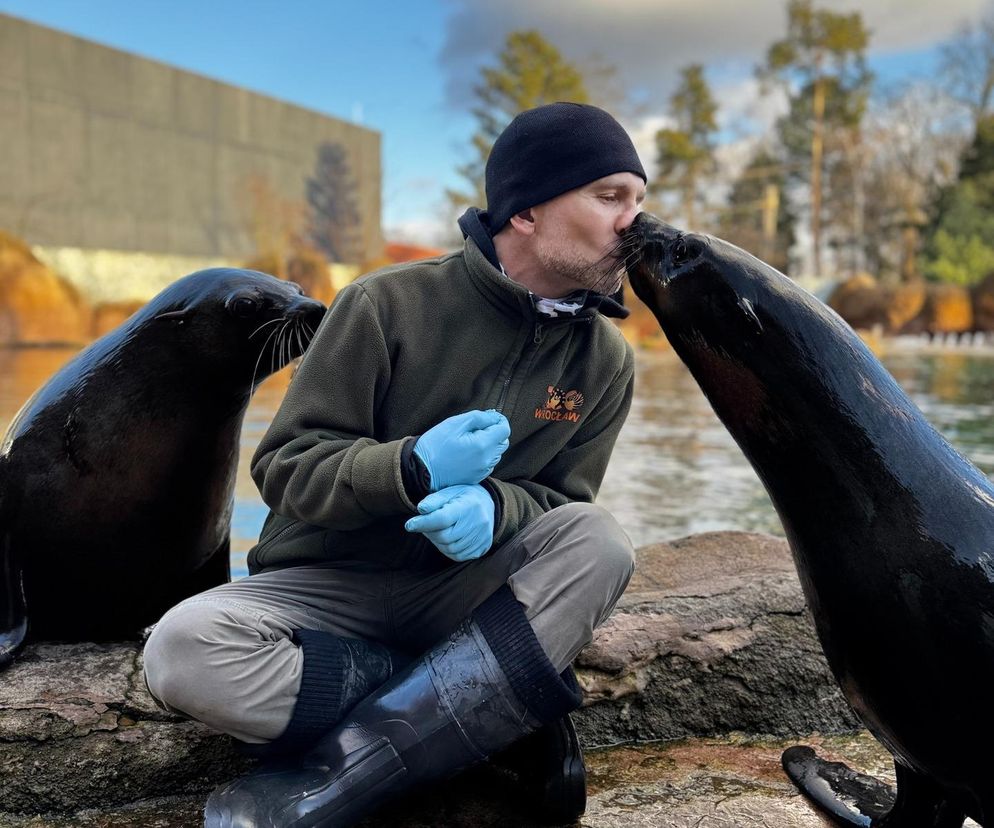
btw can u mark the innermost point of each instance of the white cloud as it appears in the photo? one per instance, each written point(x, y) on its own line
point(649, 41)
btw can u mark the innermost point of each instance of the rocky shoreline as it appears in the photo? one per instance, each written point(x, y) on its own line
point(711, 638)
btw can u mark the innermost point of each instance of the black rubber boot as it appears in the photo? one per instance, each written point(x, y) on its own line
point(550, 769)
point(483, 688)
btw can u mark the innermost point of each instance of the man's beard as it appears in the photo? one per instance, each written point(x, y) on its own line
point(601, 276)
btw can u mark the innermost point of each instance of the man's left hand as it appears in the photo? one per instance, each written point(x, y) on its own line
point(459, 520)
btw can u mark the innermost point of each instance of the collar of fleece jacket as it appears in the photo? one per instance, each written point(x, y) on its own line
point(474, 226)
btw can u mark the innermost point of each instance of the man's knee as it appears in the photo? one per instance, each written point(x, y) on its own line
point(585, 556)
point(591, 533)
point(181, 650)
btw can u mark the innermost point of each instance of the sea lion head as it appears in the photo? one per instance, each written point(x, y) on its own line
point(774, 361)
point(247, 324)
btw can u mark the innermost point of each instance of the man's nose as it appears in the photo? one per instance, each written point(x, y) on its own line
point(626, 218)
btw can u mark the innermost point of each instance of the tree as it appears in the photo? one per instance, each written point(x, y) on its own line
point(966, 68)
point(821, 62)
point(913, 141)
point(273, 223)
point(685, 154)
point(758, 218)
point(530, 72)
point(334, 218)
point(960, 245)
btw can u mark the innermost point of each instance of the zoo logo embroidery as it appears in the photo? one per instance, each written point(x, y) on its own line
point(561, 405)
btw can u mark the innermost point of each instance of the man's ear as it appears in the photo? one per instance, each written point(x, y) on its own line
point(523, 222)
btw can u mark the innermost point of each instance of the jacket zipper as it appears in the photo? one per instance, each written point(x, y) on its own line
point(537, 337)
point(284, 531)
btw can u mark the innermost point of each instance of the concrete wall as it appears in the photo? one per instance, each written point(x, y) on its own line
point(102, 149)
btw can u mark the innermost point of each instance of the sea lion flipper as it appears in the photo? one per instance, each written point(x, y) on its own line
point(13, 612)
point(852, 798)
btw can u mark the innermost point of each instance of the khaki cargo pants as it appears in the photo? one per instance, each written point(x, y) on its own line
point(226, 658)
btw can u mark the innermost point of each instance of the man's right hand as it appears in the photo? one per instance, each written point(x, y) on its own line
point(463, 449)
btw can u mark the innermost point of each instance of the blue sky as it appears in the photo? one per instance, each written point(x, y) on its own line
point(406, 69)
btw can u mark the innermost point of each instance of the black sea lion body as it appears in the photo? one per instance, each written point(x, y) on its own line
point(117, 476)
point(891, 529)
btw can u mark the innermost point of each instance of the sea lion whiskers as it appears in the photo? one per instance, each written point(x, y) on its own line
point(300, 342)
point(610, 266)
point(258, 359)
point(284, 345)
point(263, 325)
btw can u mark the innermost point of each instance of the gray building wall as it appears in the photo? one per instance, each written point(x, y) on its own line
point(102, 149)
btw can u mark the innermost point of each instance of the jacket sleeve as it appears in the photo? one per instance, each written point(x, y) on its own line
point(319, 461)
point(576, 472)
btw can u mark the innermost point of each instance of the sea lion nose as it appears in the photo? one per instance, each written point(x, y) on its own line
point(311, 310)
point(655, 228)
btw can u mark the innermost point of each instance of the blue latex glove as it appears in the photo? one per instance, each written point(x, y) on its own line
point(464, 448)
point(459, 520)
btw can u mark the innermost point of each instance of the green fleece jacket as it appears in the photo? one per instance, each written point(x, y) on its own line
point(399, 351)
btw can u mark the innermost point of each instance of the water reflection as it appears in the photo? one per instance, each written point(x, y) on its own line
point(675, 470)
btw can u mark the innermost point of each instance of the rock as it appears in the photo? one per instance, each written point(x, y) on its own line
point(860, 301)
point(108, 315)
point(948, 309)
point(37, 306)
point(79, 730)
point(711, 637)
point(903, 303)
point(719, 783)
point(982, 295)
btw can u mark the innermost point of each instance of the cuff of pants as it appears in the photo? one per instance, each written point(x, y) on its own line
point(319, 700)
point(546, 693)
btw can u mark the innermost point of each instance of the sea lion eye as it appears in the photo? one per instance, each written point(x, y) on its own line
point(679, 254)
point(244, 306)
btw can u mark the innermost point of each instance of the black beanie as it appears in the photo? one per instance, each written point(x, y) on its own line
point(550, 150)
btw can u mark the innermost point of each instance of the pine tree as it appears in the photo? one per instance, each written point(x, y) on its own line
point(822, 64)
point(758, 218)
point(334, 218)
point(960, 245)
point(685, 155)
point(530, 72)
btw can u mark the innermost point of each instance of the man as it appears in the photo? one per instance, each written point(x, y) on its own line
point(431, 474)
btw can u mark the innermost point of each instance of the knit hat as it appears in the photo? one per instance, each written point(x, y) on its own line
point(550, 150)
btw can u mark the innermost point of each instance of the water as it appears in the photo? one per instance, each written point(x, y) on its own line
point(675, 470)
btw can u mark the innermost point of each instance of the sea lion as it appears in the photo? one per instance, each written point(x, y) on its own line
point(117, 476)
point(892, 531)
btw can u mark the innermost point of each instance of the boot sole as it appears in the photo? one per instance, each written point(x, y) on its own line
point(338, 803)
point(565, 800)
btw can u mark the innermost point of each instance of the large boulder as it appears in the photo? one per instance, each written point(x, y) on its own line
point(108, 315)
point(711, 637)
point(903, 303)
point(37, 306)
point(860, 301)
point(948, 309)
point(982, 295)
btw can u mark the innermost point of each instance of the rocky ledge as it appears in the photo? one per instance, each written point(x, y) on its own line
point(710, 638)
